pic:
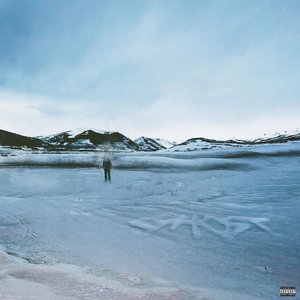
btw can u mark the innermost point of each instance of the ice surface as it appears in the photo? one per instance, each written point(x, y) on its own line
point(212, 225)
point(27, 158)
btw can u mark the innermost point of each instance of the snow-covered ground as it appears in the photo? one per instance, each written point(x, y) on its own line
point(202, 225)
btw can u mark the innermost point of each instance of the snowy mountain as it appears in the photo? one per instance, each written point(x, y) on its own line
point(201, 143)
point(89, 139)
point(165, 143)
point(11, 139)
point(148, 144)
point(196, 144)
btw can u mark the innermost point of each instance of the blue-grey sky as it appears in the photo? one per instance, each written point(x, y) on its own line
point(166, 68)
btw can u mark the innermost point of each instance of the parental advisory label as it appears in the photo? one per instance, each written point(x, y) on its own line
point(288, 291)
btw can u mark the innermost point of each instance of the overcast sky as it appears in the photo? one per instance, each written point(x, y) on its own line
point(171, 69)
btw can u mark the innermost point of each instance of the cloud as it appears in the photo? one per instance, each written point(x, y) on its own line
point(171, 68)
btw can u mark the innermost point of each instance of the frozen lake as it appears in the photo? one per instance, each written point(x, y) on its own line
point(224, 223)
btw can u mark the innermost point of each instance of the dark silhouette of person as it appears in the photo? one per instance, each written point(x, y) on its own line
point(106, 167)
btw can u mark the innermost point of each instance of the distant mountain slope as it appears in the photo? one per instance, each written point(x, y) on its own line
point(281, 138)
point(89, 139)
point(196, 144)
point(201, 143)
point(167, 144)
point(148, 144)
point(11, 139)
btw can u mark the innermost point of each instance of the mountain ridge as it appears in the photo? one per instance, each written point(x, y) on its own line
point(93, 139)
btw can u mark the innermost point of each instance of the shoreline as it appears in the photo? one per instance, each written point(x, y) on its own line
point(22, 280)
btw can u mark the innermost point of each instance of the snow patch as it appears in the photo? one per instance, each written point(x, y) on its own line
point(74, 132)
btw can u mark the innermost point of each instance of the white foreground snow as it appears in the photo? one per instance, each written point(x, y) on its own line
point(205, 225)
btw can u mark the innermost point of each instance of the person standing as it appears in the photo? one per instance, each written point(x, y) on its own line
point(107, 167)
